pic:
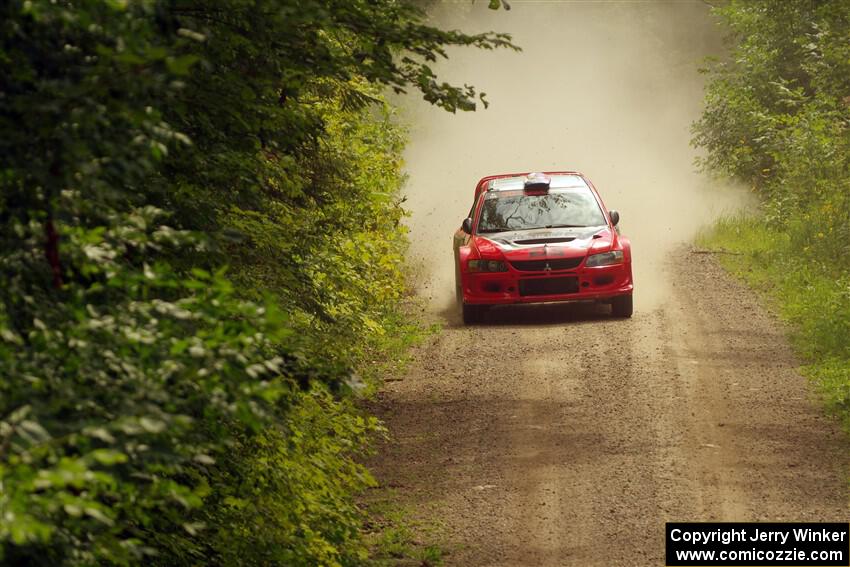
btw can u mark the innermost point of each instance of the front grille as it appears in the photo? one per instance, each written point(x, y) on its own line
point(548, 286)
point(540, 265)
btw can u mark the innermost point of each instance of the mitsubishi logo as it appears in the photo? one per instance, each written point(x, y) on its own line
point(547, 268)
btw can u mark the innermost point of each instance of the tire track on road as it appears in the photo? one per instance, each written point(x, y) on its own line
point(553, 435)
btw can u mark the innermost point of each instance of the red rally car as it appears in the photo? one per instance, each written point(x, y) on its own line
point(540, 237)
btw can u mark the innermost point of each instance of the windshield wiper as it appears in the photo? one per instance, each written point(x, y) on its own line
point(561, 226)
point(508, 229)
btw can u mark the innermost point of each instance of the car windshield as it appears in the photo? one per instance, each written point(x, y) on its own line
point(565, 208)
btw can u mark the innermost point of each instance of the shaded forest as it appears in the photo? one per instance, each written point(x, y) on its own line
point(202, 264)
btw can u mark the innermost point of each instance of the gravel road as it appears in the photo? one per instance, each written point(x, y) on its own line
point(553, 435)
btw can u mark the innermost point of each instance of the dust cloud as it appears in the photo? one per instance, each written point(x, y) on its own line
point(606, 88)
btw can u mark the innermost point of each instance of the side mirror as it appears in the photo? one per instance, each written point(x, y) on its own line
point(615, 217)
point(466, 226)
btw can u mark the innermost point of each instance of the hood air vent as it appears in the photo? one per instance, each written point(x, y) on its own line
point(545, 240)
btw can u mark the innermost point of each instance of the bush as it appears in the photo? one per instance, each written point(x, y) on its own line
point(156, 407)
point(117, 399)
point(777, 117)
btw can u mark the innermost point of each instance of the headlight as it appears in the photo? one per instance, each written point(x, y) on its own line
point(605, 258)
point(487, 266)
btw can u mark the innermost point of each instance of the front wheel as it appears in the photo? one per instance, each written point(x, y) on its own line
point(621, 306)
point(473, 314)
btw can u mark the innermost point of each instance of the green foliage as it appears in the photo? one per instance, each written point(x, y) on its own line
point(294, 504)
point(117, 398)
point(156, 408)
point(777, 116)
point(354, 227)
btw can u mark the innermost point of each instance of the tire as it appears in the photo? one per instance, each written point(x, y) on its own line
point(621, 306)
point(473, 314)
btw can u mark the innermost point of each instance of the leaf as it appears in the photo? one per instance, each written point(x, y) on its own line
point(181, 65)
point(204, 459)
point(99, 515)
point(33, 432)
point(108, 457)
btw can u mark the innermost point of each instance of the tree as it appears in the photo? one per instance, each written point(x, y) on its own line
point(146, 144)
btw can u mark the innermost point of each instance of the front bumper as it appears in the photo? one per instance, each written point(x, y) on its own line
point(514, 286)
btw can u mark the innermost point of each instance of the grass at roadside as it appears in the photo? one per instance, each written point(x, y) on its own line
point(394, 539)
point(812, 295)
point(390, 534)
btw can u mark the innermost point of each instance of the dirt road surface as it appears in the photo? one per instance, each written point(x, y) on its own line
point(554, 435)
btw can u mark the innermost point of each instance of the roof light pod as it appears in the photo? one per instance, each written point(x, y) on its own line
point(537, 182)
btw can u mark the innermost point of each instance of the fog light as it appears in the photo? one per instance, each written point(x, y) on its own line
point(492, 287)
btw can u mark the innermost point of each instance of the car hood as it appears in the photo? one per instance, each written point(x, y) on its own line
point(546, 242)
